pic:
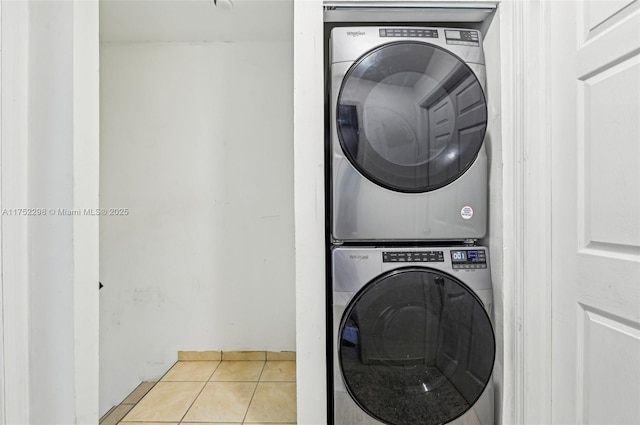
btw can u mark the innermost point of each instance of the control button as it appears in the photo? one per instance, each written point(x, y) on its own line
point(408, 32)
point(413, 256)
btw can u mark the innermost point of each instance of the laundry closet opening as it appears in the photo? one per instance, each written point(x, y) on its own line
point(413, 160)
point(196, 149)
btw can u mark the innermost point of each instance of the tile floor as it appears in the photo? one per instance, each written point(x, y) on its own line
point(213, 392)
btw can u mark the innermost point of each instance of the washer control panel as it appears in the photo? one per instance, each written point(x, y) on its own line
point(413, 257)
point(463, 37)
point(408, 32)
point(468, 259)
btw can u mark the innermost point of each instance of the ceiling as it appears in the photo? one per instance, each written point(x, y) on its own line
point(195, 21)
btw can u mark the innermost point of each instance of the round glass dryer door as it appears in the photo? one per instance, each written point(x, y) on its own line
point(411, 116)
point(416, 346)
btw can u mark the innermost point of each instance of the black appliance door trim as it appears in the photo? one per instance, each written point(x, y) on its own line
point(415, 345)
point(411, 144)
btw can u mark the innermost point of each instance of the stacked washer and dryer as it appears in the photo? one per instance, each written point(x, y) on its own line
point(412, 338)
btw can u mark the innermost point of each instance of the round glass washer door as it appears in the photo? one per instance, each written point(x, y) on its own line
point(416, 346)
point(411, 116)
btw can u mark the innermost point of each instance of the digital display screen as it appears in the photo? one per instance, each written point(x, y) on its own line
point(453, 34)
point(461, 37)
point(459, 256)
point(467, 256)
point(469, 259)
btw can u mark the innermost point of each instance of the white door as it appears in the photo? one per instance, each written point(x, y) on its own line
point(595, 149)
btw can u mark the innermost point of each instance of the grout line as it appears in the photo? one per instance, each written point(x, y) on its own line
point(193, 402)
point(264, 362)
point(201, 390)
point(122, 403)
point(120, 416)
point(108, 413)
point(168, 370)
point(244, 418)
point(189, 361)
point(214, 370)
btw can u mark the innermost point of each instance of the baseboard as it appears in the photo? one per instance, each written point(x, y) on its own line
point(235, 355)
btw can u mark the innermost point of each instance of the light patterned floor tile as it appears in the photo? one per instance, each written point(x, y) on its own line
point(241, 370)
point(273, 402)
point(191, 371)
point(279, 371)
point(221, 402)
point(166, 402)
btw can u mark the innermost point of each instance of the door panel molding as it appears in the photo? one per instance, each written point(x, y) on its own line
point(604, 174)
point(597, 51)
point(597, 17)
point(624, 252)
point(598, 331)
point(604, 283)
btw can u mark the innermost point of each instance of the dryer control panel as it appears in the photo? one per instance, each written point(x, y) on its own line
point(468, 259)
point(463, 37)
point(408, 32)
point(413, 257)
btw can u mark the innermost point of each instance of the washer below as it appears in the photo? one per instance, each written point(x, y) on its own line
point(412, 336)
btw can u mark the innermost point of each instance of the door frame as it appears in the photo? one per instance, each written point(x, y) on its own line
point(14, 352)
point(17, 396)
point(527, 200)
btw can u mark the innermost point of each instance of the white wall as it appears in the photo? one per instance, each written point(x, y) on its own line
point(197, 143)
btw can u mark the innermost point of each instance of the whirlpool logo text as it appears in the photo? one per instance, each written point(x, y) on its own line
point(355, 33)
point(358, 257)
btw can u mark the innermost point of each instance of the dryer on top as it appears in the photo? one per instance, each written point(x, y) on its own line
point(408, 122)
